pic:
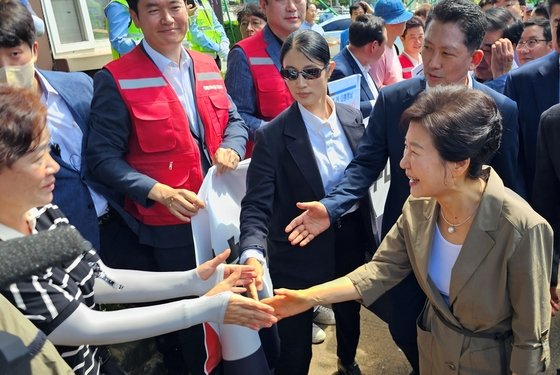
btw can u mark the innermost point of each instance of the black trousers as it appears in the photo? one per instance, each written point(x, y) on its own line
point(351, 242)
point(184, 351)
point(295, 344)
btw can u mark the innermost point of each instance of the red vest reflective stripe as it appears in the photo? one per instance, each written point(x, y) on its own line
point(272, 93)
point(160, 143)
point(407, 66)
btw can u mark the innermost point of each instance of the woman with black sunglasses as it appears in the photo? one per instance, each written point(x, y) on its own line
point(300, 155)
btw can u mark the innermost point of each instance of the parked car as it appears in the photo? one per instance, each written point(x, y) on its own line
point(333, 28)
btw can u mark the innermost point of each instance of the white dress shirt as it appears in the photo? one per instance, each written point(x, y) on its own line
point(365, 73)
point(67, 134)
point(179, 78)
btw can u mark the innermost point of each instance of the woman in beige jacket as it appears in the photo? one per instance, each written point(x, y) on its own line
point(479, 252)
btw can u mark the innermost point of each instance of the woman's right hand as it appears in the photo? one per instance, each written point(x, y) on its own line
point(249, 313)
point(287, 302)
point(241, 310)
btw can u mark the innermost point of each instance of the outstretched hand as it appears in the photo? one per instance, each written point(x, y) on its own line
point(234, 283)
point(312, 222)
point(249, 313)
point(288, 302)
point(207, 269)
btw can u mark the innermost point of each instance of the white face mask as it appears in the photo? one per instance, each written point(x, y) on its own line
point(18, 75)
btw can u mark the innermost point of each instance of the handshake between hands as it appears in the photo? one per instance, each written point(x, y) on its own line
point(249, 311)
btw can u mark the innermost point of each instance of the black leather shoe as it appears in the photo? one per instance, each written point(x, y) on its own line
point(352, 369)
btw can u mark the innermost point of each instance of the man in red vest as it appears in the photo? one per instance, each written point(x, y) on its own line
point(160, 117)
point(253, 73)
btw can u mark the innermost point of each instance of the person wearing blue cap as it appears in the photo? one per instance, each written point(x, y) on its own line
point(388, 69)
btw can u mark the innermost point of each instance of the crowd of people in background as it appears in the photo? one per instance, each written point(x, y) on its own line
point(463, 269)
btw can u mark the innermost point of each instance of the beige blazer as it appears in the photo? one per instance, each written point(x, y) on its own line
point(500, 282)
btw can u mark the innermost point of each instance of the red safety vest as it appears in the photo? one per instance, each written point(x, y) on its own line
point(272, 93)
point(407, 66)
point(161, 144)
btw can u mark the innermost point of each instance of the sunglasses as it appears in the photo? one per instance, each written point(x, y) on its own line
point(291, 74)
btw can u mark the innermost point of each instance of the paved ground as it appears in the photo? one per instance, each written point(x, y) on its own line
point(378, 355)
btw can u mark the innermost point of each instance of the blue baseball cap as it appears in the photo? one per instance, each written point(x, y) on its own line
point(392, 11)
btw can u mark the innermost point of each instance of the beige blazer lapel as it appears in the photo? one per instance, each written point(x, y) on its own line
point(479, 241)
point(423, 231)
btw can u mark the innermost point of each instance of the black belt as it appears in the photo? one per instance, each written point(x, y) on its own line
point(501, 337)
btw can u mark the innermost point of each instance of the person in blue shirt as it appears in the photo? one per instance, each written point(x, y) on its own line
point(356, 9)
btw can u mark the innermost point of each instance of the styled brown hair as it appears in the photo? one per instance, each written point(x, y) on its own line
point(22, 121)
point(464, 124)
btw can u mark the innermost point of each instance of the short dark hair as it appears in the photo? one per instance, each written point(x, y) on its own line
point(412, 23)
point(466, 14)
point(498, 18)
point(133, 5)
point(310, 43)
point(463, 124)
point(541, 11)
point(16, 24)
point(250, 10)
point(365, 29)
point(23, 120)
point(513, 31)
point(355, 6)
point(540, 22)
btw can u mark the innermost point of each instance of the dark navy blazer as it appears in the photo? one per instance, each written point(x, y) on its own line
point(534, 87)
point(546, 200)
point(384, 140)
point(346, 66)
point(283, 171)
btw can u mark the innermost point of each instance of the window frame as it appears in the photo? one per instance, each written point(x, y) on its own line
point(84, 21)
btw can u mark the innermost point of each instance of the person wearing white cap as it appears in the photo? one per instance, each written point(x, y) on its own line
point(388, 69)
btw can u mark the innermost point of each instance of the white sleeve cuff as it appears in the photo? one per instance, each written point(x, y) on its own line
point(252, 253)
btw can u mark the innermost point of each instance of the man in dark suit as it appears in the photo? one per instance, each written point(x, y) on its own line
point(367, 43)
point(67, 97)
point(546, 200)
point(454, 31)
point(535, 87)
point(160, 117)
